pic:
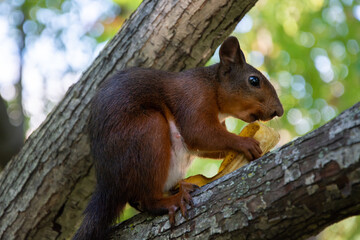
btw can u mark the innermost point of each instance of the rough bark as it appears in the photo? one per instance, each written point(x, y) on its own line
point(291, 193)
point(44, 189)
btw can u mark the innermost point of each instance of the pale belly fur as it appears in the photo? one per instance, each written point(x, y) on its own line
point(180, 158)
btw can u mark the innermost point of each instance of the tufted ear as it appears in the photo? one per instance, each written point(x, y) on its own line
point(230, 52)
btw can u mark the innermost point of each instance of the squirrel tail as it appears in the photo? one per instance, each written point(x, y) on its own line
point(101, 211)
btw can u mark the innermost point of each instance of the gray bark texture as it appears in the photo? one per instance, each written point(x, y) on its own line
point(293, 192)
point(44, 189)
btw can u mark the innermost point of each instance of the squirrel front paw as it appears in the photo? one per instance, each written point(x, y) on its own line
point(250, 147)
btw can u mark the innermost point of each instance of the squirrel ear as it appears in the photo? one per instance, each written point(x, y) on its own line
point(230, 52)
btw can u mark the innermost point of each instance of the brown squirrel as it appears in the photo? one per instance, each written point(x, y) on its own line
point(145, 125)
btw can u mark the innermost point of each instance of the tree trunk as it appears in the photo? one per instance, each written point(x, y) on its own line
point(44, 189)
point(291, 193)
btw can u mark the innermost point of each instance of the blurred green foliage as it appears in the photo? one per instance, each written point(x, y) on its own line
point(111, 28)
point(310, 51)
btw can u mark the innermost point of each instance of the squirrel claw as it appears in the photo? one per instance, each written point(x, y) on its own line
point(183, 210)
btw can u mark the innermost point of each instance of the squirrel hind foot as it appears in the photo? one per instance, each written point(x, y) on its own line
point(181, 199)
point(174, 202)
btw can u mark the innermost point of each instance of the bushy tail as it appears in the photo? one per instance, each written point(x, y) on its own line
point(99, 214)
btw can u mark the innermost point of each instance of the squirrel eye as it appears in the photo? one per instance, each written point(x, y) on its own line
point(254, 81)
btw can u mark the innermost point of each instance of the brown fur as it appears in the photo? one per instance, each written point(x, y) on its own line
point(130, 134)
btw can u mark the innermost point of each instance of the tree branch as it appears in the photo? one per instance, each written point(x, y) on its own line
point(44, 189)
point(291, 193)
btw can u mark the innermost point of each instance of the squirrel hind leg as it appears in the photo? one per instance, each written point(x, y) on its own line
point(171, 204)
point(155, 155)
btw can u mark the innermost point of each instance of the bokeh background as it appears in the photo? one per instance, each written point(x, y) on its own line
point(308, 49)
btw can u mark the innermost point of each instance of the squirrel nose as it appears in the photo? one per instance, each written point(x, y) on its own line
point(279, 111)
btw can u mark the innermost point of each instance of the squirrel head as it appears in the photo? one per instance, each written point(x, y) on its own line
point(244, 92)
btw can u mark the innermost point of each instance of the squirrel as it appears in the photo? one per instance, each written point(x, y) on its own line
point(146, 125)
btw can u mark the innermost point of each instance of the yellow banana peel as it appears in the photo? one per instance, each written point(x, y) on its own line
point(266, 136)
